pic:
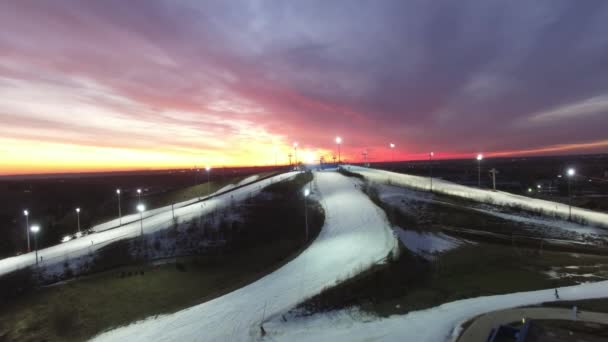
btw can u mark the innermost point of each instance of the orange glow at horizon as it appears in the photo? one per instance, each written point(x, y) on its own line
point(22, 157)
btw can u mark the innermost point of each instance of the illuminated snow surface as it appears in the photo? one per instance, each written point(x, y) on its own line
point(441, 323)
point(498, 198)
point(154, 220)
point(356, 235)
point(427, 244)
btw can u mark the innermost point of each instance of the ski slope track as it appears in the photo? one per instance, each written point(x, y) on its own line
point(356, 235)
point(153, 220)
point(481, 195)
point(438, 324)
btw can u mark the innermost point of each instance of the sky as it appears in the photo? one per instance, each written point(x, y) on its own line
point(121, 85)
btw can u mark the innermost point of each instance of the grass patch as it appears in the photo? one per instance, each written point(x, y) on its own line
point(486, 268)
point(411, 283)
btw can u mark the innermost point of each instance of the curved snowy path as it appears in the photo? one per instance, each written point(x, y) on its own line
point(356, 234)
point(438, 324)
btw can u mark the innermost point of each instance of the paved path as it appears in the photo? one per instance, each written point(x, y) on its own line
point(481, 327)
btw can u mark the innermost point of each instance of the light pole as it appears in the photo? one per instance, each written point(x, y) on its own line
point(392, 146)
point(479, 158)
point(35, 229)
point(306, 193)
point(431, 169)
point(571, 173)
point(339, 141)
point(138, 195)
point(26, 213)
point(295, 153)
point(141, 208)
point(208, 168)
point(78, 217)
point(494, 172)
point(119, 211)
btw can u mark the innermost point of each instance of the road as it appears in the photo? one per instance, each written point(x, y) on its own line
point(480, 329)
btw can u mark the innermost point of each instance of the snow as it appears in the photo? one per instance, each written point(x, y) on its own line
point(548, 222)
point(426, 244)
point(135, 217)
point(414, 200)
point(483, 196)
point(441, 323)
point(248, 180)
point(356, 235)
point(78, 250)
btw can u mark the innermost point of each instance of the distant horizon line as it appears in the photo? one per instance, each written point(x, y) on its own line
point(182, 169)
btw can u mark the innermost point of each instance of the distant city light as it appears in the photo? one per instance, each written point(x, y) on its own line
point(571, 172)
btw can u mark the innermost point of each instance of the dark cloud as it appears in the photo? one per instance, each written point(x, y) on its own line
point(454, 76)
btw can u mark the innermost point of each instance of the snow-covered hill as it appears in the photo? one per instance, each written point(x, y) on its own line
point(483, 196)
point(356, 234)
point(76, 250)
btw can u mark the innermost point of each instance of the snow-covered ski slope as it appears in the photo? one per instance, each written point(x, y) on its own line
point(135, 217)
point(480, 195)
point(437, 324)
point(356, 234)
point(154, 220)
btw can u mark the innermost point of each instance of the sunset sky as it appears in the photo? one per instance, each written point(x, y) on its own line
point(119, 85)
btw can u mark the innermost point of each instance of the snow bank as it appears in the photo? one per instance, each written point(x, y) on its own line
point(426, 244)
point(441, 323)
point(356, 234)
point(248, 180)
point(484, 196)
